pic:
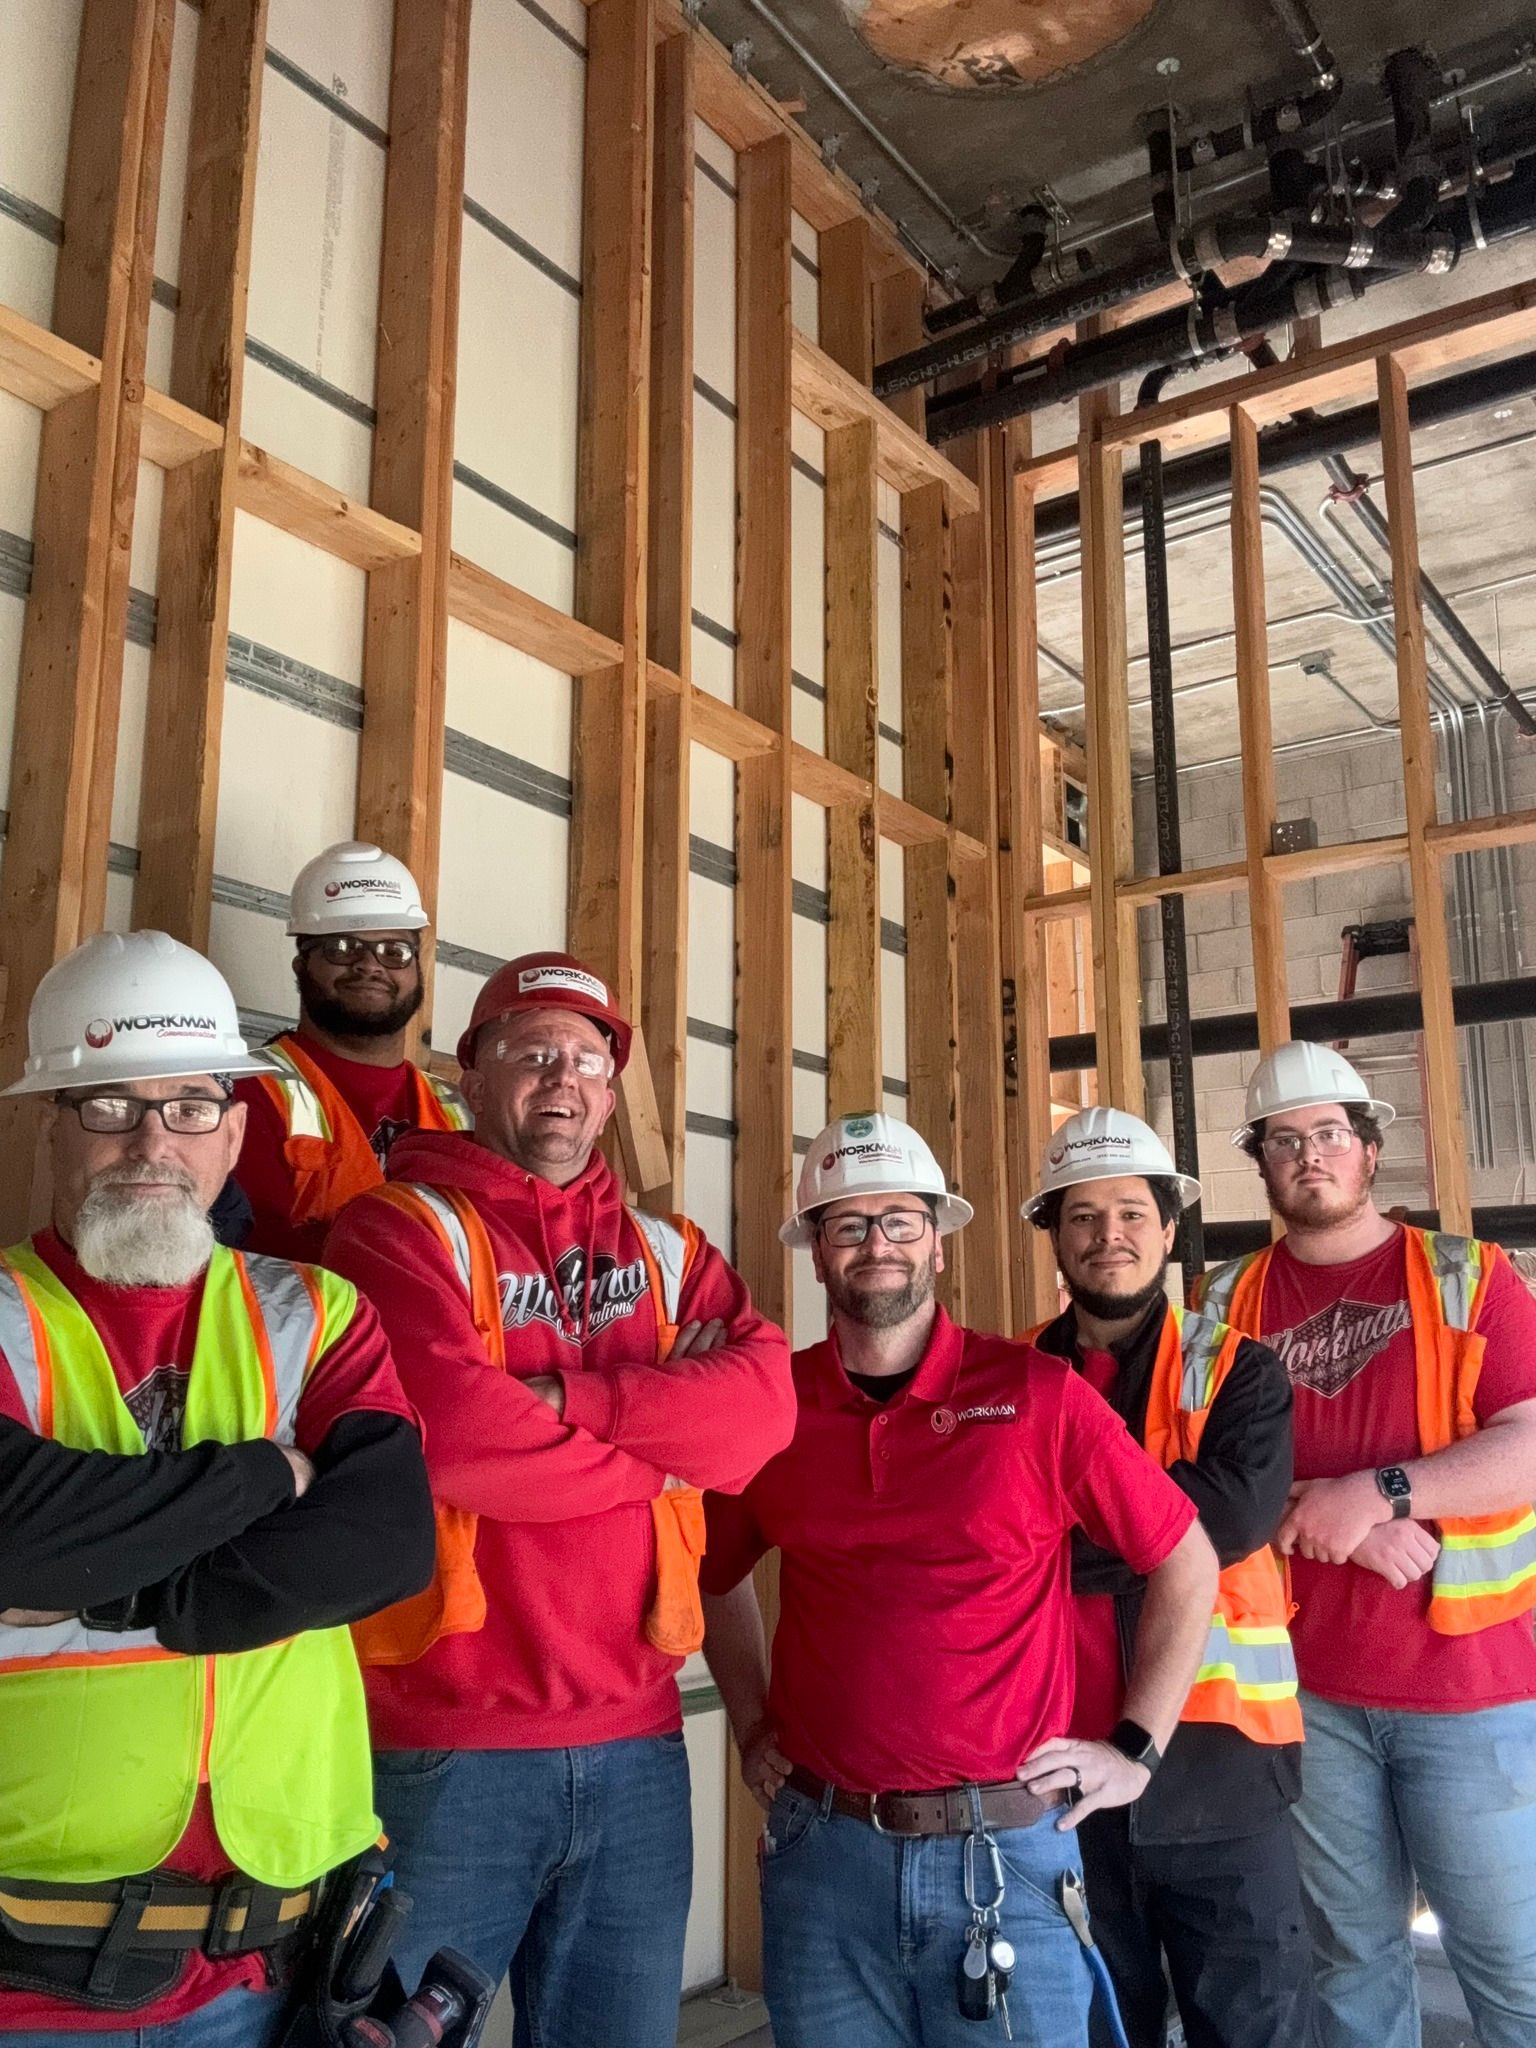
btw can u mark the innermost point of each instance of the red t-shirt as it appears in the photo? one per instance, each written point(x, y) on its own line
point(1344, 1335)
point(383, 1100)
point(148, 1334)
point(925, 1632)
point(1100, 1694)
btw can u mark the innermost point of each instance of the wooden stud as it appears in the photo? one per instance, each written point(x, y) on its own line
point(612, 490)
point(489, 604)
point(845, 300)
point(927, 721)
point(1447, 1138)
point(1116, 970)
point(669, 716)
point(988, 1293)
point(898, 317)
point(826, 393)
point(318, 514)
point(405, 635)
point(764, 1131)
point(1266, 904)
point(55, 854)
point(178, 798)
point(1021, 863)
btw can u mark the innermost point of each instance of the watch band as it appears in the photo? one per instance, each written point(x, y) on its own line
point(1393, 1485)
point(1134, 1741)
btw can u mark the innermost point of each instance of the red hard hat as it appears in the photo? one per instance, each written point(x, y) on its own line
point(546, 981)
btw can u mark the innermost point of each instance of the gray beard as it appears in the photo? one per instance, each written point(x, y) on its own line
point(126, 1241)
point(888, 1310)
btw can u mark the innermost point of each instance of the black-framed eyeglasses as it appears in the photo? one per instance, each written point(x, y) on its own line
point(113, 1116)
point(896, 1226)
point(345, 949)
point(1329, 1141)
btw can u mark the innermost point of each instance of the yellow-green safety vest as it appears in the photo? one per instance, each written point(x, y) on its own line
point(105, 1737)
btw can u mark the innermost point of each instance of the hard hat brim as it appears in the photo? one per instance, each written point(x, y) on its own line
point(1382, 1112)
point(53, 1080)
point(952, 1213)
point(363, 921)
point(1188, 1187)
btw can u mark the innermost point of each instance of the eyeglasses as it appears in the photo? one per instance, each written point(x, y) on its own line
point(345, 949)
point(896, 1226)
point(1330, 1141)
point(586, 1060)
point(112, 1116)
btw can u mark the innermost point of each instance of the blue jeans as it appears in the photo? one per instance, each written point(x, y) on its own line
point(863, 1935)
point(571, 1868)
point(240, 2019)
point(1449, 1799)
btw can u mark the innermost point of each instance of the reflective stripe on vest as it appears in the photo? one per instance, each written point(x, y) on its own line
point(1259, 1662)
point(1200, 1342)
point(306, 1112)
point(669, 1252)
point(279, 1733)
point(449, 1222)
point(18, 1343)
point(1489, 1565)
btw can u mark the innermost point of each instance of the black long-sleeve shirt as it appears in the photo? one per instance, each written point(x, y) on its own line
point(1213, 1782)
point(208, 1546)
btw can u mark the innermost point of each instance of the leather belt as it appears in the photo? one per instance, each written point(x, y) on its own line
point(947, 1812)
point(156, 1911)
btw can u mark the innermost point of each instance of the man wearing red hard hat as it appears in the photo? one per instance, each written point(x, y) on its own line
point(581, 1369)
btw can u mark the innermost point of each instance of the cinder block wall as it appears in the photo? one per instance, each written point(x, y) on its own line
point(1354, 791)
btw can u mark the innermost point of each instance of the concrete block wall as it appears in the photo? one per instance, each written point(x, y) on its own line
point(1353, 791)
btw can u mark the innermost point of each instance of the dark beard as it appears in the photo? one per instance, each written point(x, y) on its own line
point(889, 1310)
point(1295, 1209)
point(336, 1015)
point(1115, 1308)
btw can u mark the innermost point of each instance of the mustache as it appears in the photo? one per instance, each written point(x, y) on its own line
point(140, 1173)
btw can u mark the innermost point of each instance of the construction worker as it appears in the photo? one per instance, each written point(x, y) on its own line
point(225, 1473)
point(924, 1639)
point(1413, 1553)
point(339, 1090)
point(1198, 1878)
point(571, 1358)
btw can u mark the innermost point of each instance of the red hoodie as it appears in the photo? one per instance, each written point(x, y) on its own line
point(565, 1548)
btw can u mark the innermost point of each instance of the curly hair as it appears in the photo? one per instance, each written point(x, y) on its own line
point(1164, 1192)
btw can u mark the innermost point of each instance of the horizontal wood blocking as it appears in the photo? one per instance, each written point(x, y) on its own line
point(317, 512)
point(825, 393)
point(39, 367)
point(498, 608)
point(1346, 370)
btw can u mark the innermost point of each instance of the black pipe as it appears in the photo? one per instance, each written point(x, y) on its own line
point(1287, 116)
point(1511, 1224)
point(1236, 236)
point(1197, 477)
point(1384, 1014)
point(1190, 1247)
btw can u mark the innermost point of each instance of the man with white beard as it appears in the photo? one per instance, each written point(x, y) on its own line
point(208, 1470)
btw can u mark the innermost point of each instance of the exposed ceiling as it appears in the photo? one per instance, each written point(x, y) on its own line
point(953, 161)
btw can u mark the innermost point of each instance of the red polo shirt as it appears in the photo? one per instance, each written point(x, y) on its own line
point(925, 1628)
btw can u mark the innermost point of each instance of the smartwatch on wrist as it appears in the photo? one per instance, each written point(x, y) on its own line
point(1393, 1485)
point(1132, 1740)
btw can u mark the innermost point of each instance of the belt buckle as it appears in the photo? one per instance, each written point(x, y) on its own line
point(222, 1939)
point(875, 1821)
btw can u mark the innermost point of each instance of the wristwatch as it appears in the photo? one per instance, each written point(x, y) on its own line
point(1393, 1484)
point(1132, 1740)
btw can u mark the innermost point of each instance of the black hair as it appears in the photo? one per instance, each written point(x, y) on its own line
point(1365, 1127)
point(1165, 1192)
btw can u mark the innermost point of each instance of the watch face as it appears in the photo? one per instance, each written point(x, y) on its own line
point(1393, 1481)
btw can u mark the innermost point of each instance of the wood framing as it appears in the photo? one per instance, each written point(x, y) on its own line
point(898, 327)
point(826, 393)
point(1447, 1140)
point(65, 729)
point(928, 728)
point(612, 491)
point(178, 795)
point(1256, 739)
point(764, 1094)
point(669, 715)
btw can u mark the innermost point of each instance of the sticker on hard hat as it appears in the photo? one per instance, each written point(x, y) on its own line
point(865, 1155)
point(530, 980)
point(1102, 1143)
point(368, 885)
point(859, 1126)
point(99, 1032)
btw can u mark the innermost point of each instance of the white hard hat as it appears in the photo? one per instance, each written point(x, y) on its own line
point(354, 887)
point(1103, 1144)
point(131, 1007)
point(870, 1155)
point(1301, 1075)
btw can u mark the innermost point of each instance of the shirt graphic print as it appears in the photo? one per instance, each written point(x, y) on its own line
point(1336, 1344)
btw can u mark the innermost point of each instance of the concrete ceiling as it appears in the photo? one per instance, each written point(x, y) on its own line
point(953, 163)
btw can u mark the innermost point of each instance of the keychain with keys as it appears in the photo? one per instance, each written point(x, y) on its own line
point(986, 1967)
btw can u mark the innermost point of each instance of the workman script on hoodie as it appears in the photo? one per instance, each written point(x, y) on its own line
point(565, 1546)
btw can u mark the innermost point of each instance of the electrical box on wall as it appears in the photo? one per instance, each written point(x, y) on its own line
point(1295, 835)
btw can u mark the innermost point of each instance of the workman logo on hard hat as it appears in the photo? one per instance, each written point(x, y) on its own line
point(371, 885)
point(864, 1155)
point(98, 1033)
point(531, 979)
point(1101, 1142)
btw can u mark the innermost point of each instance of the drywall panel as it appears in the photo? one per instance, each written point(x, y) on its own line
point(714, 544)
point(343, 49)
point(117, 912)
point(717, 154)
point(805, 276)
point(809, 943)
point(313, 313)
point(808, 1303)
point(503, 874)
point(298, 599)
point(711, 1075)
point(21, 428)
point(129, 766)
point(808, 842)
point(707, 1169)
point(523, 144)
point(501, 536)
point(287, 787)
point(453, 999)
point(808, 583)
point(38, 42)
point(711, 946)
point(714, 276)
point(12, 613)
point(173, 162)
point(888, 594)
point(508, 700)
point(810, 1095)
point(28, 259)
point(519, 345)
point(712, 798)
point(255, 956)
point(709, 1762)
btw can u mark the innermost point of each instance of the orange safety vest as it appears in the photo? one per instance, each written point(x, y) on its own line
point(1247, 1674)
point(325, 1147)
point(454, 1603)
point(1486, 1570)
